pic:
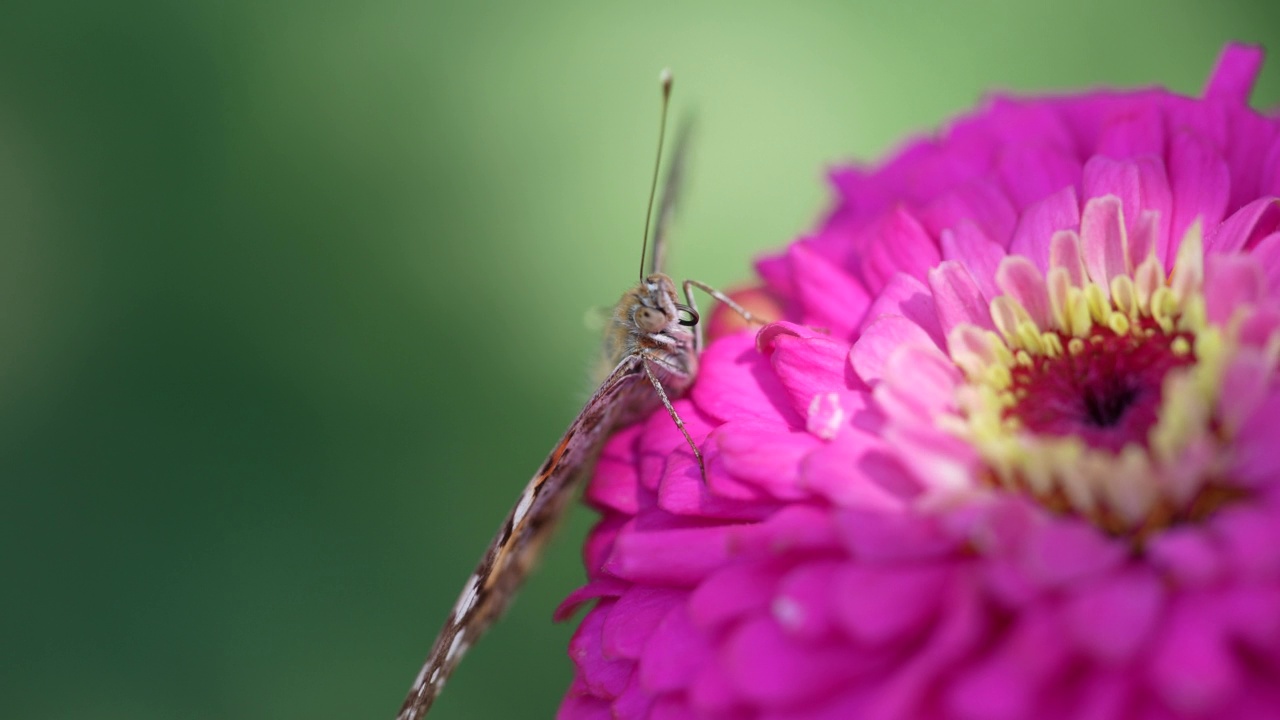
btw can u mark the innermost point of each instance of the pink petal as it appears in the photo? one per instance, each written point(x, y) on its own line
point(1201, 185)
point(673, 653)
point(1114, 617)
point(1267, 253)
point(830, 297)
point(1145, 237)
point(1059, 211)
point(807, 364)
point(1186, 555)
point(1088, 115)
point(918, 382)
point(1230, 283)
point(767, 667)
point(1065, 552)
point(632, 618)
point(736, 382)
point(1192, 669)
point(671, 707)
point(1257, 459)
point(597, 588)
point(1235, 73)
point(951, 642)
point(762, 456)
point(1016, 118)
point(1066, 252)
point(797, 528)
point(1102, 697)
point(1024, 283)
point(578, 704)
point(662, 442)
point(1256, 701)
point(1249, 614)
point(599, 545)
point(977, 252)
point(1243, 388)
point(723, 484)
point(944, 465)
point(1250, 137)
point(979, 204)
point(999, 528)
point(1032, 171)
point(634, 702)
point(603, 676)
point(908, 297)
point(1006, 684)
point(804, 605)
point(871, 353)
point(1141, 183)
point(1269, 182)
point(616, 484)
point(1131, 135)
point(887, 605)
point(1258, 327)
point(849, 701)
point(902, 246)
point(733, 592)
point(684, 492)
point(1102, 234)
point(891, 538)
point(766, 335)
point(713, 693)
point(1245, 227)
point(958, 298)
point(1250, 539)
point(679, 557)
point(858, 470)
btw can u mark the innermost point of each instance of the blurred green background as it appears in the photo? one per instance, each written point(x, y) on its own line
point(292, 298)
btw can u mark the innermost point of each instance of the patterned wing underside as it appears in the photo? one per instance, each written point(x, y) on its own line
point(530, 523)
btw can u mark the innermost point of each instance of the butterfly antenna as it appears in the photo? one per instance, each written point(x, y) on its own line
point(665, 78)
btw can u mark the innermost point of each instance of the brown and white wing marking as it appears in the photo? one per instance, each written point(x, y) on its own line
point(518, 544)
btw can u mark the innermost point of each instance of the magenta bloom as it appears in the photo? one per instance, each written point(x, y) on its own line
point(1014, 453)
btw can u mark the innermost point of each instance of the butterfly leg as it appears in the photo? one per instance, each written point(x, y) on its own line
point(666, 402)
point(689, 285)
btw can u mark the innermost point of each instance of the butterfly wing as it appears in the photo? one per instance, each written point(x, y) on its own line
point(519, 542)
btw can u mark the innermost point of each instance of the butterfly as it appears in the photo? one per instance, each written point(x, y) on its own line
point(652, 343)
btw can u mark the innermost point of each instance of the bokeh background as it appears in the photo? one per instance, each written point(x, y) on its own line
point(292, 297)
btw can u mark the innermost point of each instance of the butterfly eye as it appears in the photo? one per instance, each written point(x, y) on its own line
point(650, 320)
point(692, 314)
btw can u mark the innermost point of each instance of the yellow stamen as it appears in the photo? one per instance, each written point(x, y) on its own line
point(1118, 323)
point(1099, 307)
point(1148, 482)
point(1124, 295)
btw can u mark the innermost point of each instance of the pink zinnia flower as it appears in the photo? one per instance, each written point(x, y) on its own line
point(1014, 452)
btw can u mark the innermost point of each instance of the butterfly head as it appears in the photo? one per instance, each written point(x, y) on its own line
point(656, 308)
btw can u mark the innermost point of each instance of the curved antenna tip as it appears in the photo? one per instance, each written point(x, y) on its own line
point(665, 78)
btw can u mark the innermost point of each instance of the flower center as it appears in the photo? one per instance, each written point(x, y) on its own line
point(1106, 393)
point(1097, 391)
